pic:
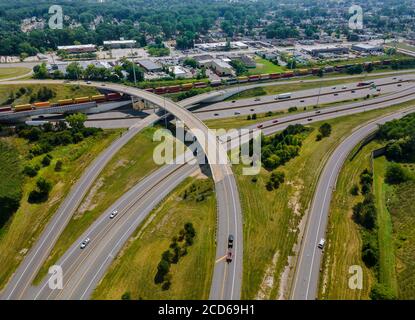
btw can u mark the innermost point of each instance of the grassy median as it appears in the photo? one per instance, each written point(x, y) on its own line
point(132, 163)
point(132, 273)
point(25, 226)
point(272, 219)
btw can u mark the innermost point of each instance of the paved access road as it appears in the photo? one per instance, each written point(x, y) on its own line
point(306, 278)
point(228, 212)
point(91, 269)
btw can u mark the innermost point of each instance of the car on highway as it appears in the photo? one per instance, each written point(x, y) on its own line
point(309, 119)
point(230, 241)
point(216, 114)
point(260, 126)
point(336, 94)
point(334, 88)
point(88, 82)
point(113, 214)
point(317, 112)
point(301, 100)
point(237, 112)
point(321, 243)
point(252, 109)
point(233, 101)
point(353, 91)
point(275, 121)
point(229, 256)
point(257, 99)
point(344, 87)
point(85, 243)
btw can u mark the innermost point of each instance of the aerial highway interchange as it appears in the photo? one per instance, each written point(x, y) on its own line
point(83, 269)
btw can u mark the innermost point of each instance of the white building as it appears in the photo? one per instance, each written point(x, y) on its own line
point(178, 71)
point(81, 48)
point(367, 48)
point(120, 44)
point(221, 67)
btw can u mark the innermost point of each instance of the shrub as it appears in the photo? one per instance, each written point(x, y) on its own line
point(46, 160)
point(395, 174)
point(58, 166)
point(354, 191)
point(126, 296)
point(31, 171)
point(381, 292)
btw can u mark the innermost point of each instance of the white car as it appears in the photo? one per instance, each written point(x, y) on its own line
point(113, 214)
point(321, 243)
point(344, 87)
point(85, 243)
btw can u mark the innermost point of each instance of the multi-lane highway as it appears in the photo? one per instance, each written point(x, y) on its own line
point(96, 268)
point(228, 203)
point(306, 278)
point(227, 278)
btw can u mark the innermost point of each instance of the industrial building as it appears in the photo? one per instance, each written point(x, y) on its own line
point(367, 48)
point(149, 65)
point(81, 48)
point(317, 51)
point(115, 44)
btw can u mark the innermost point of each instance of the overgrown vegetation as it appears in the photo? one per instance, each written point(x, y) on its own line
point(48, 136)
point(11, 181)
point(281, 147)
point(177, 249)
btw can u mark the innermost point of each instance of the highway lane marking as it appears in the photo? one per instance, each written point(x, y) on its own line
point(148, 207)
point(371, 123)
point(103, 219)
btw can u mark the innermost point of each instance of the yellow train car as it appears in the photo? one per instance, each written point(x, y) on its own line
point(22, 107)
point(82, 99)
point(98, 98)
point(64, 102)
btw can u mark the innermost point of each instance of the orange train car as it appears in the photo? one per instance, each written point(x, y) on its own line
point(42, 105)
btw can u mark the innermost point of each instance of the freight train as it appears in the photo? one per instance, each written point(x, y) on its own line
point(259, 77)
point(115, 96)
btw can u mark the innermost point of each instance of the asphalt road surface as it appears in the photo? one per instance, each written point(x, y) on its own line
point(229, 212)
point(228, 276)
point(305, 285)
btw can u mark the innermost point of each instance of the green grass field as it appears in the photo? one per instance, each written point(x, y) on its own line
point(264, 66)
point(61, 91)
point(6, 73)
point(344, 241)
point(401, 205)
point(134, 269)
point(132, 163)
point(387, 274)
point(17, 237)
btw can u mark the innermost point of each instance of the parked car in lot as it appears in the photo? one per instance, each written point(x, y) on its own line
point(85, 243)
point(230, 241)
point(321, 243)
point(229, 256)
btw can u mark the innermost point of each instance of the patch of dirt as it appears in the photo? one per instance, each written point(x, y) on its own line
point(285, 276)
point(268, 280)
point(294, 202)
point(87, 203)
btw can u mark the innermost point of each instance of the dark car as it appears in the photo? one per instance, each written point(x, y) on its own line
point(229, 256)
point(230, 241)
